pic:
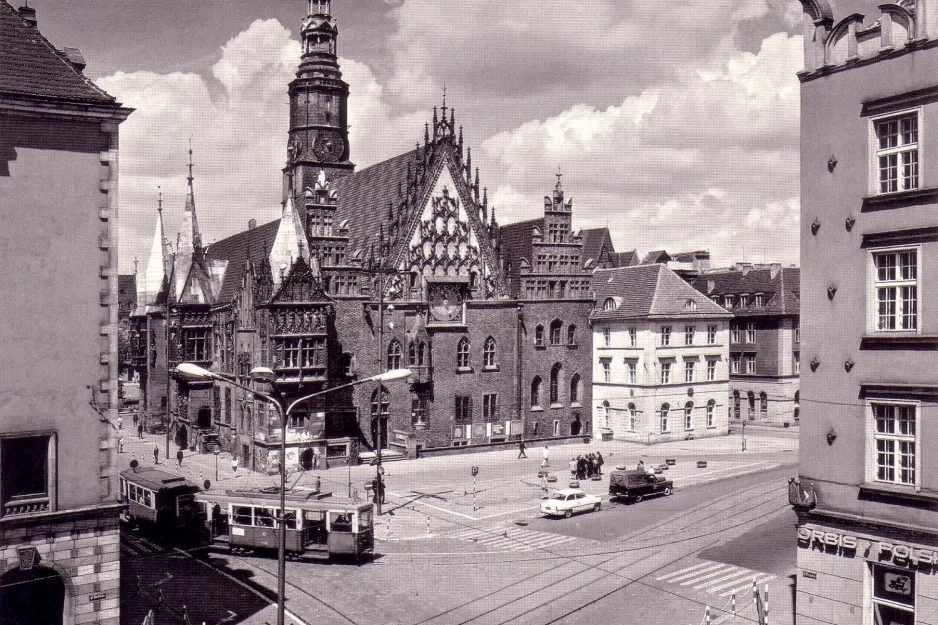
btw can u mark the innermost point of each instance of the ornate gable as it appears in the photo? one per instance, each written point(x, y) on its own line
point(301, 286)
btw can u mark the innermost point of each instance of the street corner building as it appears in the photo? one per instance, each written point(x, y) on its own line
point(58, 380)
point(398, 265)
point(660, 357)
point(868, 490)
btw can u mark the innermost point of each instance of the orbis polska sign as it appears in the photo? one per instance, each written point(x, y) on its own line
point(898, 554)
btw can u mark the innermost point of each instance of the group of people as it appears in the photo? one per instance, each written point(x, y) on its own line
point(588, 466)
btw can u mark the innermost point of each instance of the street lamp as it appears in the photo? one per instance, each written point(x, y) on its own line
point(265, 374)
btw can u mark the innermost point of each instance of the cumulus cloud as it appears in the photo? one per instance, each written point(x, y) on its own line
point(709, 161)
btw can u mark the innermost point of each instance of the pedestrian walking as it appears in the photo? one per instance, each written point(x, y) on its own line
point(234, 464)
point(318, 484)
point(315, 460)
point(544, 490)
point(156, 454)
point(546, 461)
point(120, 422)
point(140, 430)
point(521, 452)
point(572, 467)
point(120, 445)
point(599, 463)
point(136, 419)
point(179, 456)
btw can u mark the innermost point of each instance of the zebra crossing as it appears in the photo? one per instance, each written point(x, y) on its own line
point(512, 538)
point(716, 578)
point(140, 546)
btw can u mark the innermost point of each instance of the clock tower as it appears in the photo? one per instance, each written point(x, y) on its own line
point(318, 105)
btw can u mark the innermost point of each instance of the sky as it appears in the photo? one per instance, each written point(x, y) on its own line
point(674, 124)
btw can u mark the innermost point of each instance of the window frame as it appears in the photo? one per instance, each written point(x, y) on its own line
point(665, 336)
point(711, 335)
point(663, 418)
point(395, 355)
point(489, 406)
point(711, 369)
point(555, 334)
point(605, 365)
point(490, 353)
point(631, 366)
point(689, 332)
point(665, 372)
point(751, 332)
point(711, 409)
point(872, 463)
point(689, 366)
point(688, 416)
point(734, 333)
point(50, 497)
point(633, 336)
point(876, 152)
point(874, 284)
point(463, 353)
point(607, 336)
point(463, 409)
point(750, 364)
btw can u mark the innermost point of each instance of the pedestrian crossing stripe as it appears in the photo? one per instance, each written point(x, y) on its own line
point(513, 538)
point(717, 578)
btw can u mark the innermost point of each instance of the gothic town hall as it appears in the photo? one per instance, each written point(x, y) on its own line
point(398, 265)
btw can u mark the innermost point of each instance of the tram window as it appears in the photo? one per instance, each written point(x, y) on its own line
point(147, 499)
point(364, 519)
point(263, 517)
point(342, 523)
point(242, 515)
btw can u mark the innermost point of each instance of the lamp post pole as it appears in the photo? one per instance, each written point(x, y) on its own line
point(283, 409)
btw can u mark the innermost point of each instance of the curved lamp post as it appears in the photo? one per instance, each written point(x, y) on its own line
point(267, 375)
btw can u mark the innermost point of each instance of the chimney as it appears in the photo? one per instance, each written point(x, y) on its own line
point(75, 58)
point(28, 14)
point(774, 269)
point(252, 224)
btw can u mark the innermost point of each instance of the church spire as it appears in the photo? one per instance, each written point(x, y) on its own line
point(190, 237)
point(155, 270)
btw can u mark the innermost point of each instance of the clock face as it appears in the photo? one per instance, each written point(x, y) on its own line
point(446, 302)
point(329, 146)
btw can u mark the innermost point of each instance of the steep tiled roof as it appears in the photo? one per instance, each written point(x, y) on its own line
point(593, 241)
point(516, 241)
point(658, 256)
point(31, 66)
point(624, 259)
point(237, 250)
point(649, 291)
point(781, 292)
point(126, 290)
point(364, 197)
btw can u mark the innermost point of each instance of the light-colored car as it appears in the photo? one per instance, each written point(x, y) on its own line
point(568, 501)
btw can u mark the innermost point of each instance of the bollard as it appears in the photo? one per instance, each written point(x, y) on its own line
point(733, 605)
point(428, 525)
point(389, 529)
point(765, 604)
point(474, 508)
point(707, 616)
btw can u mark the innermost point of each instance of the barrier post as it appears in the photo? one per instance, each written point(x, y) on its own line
point(733, 605)
point(428, 525)
point(707, 616)
point(474, 507)
point(389, 529)
point(766, 604)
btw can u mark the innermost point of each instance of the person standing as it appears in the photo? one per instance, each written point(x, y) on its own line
point(546, 461)
point(544, 490)
point(156, 454)
point(572, 467)
point(179, 456)
point(136, 419)
point(120, 445)
point(120, 422)
point(234, 465)
point(521, 452)
point(599, 463)
point(140, 430)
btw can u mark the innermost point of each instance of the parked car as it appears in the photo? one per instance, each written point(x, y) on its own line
point(569, 500)
point(635, 485)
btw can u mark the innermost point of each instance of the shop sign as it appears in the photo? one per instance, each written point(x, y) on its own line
point(894, 585)
point(97, 596)
point(808, 537)
point(904, 555)
point(809, 574)
point(498, 429)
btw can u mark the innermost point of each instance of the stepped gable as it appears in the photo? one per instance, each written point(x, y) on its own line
point(780, 286)
point(31, 66)
point(648, 291)
point(249, 245)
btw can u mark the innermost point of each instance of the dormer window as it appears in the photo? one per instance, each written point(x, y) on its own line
point(610, 304)
point(760, 300)
point(690, 305)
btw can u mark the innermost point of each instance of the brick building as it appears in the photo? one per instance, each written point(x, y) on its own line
point(401, 264)
point(765, 355)
point(868, 527)
point(58, 380)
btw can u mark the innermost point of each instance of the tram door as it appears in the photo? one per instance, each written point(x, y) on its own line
point(314, 527)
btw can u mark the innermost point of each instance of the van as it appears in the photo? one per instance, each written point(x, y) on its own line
point(635, 485)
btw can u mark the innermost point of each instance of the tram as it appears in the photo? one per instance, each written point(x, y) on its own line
point(162, 501)
point(317, 524)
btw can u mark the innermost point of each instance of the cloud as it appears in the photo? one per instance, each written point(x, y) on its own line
point(709, 161)
point(237, 119)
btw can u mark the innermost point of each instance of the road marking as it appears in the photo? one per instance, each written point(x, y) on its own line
point(737, 574)
point(690, 568)
point(512, 538)
point(698, 572)
point(733, 468)
point(740, 589)
point(707, 576)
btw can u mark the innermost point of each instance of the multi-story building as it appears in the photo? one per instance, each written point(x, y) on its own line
point(868, 495)
point(397, 265)
point(58, 366)
point(659, 357)
point(765, 355)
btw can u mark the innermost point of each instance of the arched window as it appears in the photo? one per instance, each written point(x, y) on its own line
point(609, 304)
point(394, 355)
point(555, 330)
point(571, 334)
point(752, 405)
point(736, 404)
point(462, 353)
point(763, 404)
point(412, 354)
point(536, 391)
point(607, 409)
point(539, 336)
point(632, 417)
point(711, 405)
point(575, 388)
point(421, 354)
point(555, 383)
point(380, 408)
point(688, 415)
point(489, 353)
point(665, 408)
